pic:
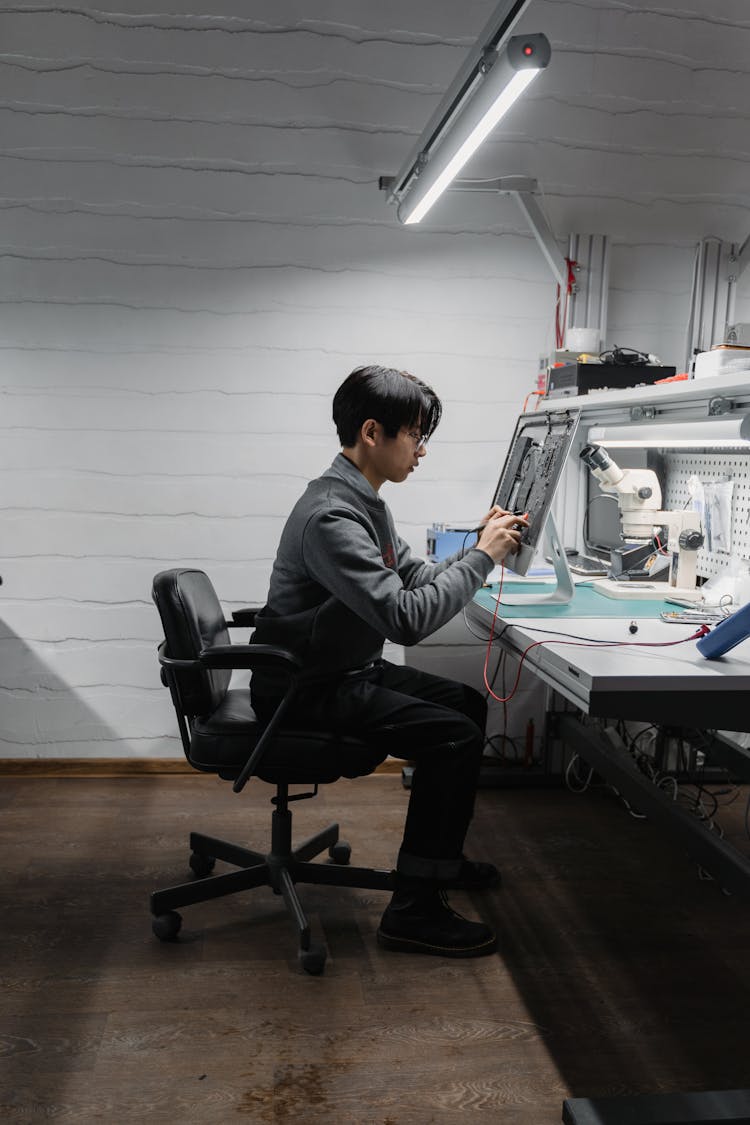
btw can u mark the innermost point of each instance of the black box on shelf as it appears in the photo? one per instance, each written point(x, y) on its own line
point(579, 378)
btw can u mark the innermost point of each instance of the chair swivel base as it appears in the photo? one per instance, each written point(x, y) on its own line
point(280, 869)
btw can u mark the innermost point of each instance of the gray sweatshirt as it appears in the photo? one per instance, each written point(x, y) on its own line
point(343, 581)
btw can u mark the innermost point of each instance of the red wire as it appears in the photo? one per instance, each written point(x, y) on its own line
point(528, 396)
point(560, 322)
point(701, 632)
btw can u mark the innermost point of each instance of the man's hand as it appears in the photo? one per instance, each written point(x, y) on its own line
point(501, 533)
point(495, 510)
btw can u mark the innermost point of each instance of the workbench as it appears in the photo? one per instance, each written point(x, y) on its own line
point(674, 686)
point(670, 686)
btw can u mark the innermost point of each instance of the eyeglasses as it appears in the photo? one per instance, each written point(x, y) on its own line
point(420, 440)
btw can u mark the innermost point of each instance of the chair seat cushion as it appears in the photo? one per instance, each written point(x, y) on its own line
point(223, 741)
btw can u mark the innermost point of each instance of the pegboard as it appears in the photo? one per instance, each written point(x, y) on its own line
point(710, 467)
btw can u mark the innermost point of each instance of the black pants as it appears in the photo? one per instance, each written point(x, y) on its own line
point(435, 723)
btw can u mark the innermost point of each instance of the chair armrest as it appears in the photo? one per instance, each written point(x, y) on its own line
point(244, 618)
point(248, 656)
point(172, 662)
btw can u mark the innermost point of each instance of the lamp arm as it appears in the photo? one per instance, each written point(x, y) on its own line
point(543, 234)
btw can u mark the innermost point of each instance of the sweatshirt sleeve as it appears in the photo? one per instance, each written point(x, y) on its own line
point(342, 555)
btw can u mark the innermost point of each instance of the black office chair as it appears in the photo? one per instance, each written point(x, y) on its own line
point(220, 734)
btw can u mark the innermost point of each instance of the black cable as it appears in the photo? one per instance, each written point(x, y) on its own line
point(593, 642)
point(499, 752)
point(623, 356)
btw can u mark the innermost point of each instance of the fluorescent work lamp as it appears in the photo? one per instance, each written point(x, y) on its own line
point(496, 90)
point(712, 433)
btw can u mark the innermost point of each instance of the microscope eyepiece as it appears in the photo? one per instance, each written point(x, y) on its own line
point(595, 457)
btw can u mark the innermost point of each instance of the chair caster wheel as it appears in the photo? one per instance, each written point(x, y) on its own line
point(201, 865)
point(166, 926)
point(313, 959)
point(340, 852)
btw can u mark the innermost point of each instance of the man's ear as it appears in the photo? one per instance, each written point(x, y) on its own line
point(369, 432)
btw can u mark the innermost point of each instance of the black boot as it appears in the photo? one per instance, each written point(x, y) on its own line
point(419, 920)
point(475, 876)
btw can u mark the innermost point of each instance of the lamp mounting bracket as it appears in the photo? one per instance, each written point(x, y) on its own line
point(638, 413)
point(522, 189)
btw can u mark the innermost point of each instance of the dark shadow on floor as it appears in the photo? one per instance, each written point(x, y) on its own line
point(635, 969)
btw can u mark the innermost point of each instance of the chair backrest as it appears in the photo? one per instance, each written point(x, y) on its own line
point(193, 619)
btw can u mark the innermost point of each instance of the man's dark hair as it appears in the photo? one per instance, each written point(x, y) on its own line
point(393, 398)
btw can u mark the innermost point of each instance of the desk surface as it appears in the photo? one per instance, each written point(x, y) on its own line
point(586, 603)
point(674, 685)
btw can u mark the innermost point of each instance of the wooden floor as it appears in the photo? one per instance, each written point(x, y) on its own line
point(619, 970)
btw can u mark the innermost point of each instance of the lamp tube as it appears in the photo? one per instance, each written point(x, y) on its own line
point(524, 56)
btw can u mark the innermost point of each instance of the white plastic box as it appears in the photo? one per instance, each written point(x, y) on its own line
point(722, 361)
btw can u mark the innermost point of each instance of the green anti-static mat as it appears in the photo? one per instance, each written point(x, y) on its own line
point(586, 603)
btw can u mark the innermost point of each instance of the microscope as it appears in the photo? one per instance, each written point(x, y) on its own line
point(638, 495)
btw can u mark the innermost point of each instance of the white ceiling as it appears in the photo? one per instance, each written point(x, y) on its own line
point(639, 127)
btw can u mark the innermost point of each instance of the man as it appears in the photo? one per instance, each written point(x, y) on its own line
point(343, 582)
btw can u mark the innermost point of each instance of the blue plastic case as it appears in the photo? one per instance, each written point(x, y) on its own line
point(726, 634)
